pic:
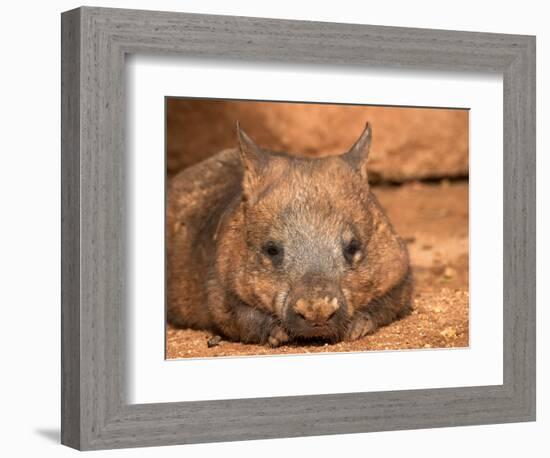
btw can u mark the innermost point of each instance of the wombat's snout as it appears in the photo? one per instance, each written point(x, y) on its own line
point(315, 306)
point(316, 311)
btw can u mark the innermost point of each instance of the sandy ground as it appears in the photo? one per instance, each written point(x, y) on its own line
point(433, 219)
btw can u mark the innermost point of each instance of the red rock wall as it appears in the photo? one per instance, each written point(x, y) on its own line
point(408, 143)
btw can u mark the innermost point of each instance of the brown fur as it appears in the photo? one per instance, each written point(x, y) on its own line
point(268, 248)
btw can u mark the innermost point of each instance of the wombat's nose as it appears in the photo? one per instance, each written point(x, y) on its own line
point(317, 311)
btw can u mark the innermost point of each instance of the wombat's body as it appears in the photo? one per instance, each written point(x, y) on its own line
point(267, 248)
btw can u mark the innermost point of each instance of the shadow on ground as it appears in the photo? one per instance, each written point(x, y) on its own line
point(53, 435)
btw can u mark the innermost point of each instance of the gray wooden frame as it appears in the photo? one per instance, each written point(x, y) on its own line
point(95, 413)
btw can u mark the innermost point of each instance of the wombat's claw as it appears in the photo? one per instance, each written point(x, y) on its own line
point(360, 327)
point(277, 337)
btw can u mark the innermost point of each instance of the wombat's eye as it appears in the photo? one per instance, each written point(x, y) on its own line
point(352, 250)
point(273, 250)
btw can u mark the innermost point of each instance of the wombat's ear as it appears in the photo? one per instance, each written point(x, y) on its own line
point(253, 159)
point(359, 152)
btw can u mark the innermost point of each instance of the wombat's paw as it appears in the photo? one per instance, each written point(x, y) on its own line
point(360, 327)
point(277, 337)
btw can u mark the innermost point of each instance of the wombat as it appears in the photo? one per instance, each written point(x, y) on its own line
point(269, 248)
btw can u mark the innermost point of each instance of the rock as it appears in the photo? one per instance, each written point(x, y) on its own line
point(448, 333)
point(214, 341)
point(408, 143)
point(449, 273)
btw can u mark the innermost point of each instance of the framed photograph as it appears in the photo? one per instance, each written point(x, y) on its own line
point(277, 228)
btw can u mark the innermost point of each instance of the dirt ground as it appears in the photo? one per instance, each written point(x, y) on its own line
point(433, 219)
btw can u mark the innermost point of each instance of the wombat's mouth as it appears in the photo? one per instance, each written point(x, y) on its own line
point(324, 319)
point(317, 333)
point(330, 332)
point(299, 328)
point(315, 341)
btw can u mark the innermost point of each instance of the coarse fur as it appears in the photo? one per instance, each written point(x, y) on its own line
point(269, 248)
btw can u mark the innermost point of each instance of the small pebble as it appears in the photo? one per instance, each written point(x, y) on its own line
point(448, 332)
point(449, 272)
point(214, 341)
